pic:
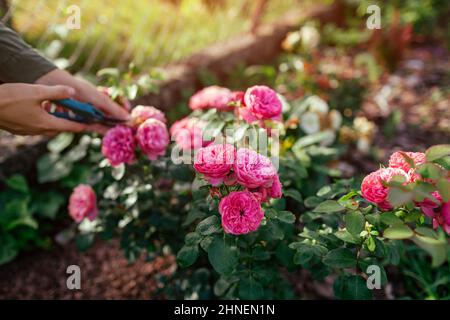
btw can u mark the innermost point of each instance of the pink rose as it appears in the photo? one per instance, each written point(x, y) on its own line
point(264, 194)
point(241, 212)
point(428, 206)
point(253, 170)
point(215, 162)
point(153, 138)
point(188, 133)
point(212, 97)
point(262, 102)
point(443, 218)
point(398, 161)
point(83, 203)
point(141, 113)
point(373, 190)
point(118, 145)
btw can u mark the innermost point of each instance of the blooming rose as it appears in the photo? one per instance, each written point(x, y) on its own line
point(443, 218)
point(188, 133)
point(398, 161)
point(153, 138)
point(118, 145)
point(141, 113)
point(373, 190)
point(212, 97)
point(428, 206)
point(83, 203)
point(263, 102)
point(241, 212)
point(254, 170)
point(215, 162)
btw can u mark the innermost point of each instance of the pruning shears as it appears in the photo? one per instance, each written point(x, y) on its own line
point(83, 112)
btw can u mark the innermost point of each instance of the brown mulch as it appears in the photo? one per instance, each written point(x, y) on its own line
point(105, 274)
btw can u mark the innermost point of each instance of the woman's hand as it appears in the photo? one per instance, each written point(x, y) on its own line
point(86, 92)
point(22, 111)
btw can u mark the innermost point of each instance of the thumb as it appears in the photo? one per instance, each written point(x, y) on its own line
point(54, 92)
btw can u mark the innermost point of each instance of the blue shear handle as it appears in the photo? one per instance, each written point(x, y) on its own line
point(66, 116)
point(85, 112)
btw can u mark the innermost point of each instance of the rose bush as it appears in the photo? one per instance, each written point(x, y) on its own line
point(251, 196)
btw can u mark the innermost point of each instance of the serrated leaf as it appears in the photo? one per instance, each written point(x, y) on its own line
point(340, 258)
point(187, 255)
point(209, 226)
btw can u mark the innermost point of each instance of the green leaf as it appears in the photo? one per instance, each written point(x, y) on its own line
point(286, 217)
point(430, 171)
point(192, 238)
point(8, 248)
point(437, 152)
point(209, 226)
point(443, 186)
point(293, 193)
point(351, 287)
point(436, 248)
point(354, 222)
point(312, 202)
point(222, 257)
point(323, 191)
point(47, 204)
point(18, 183)
point(390, 218)
point(340, 258)
point(50, 168)
point(250, 289)
point(84, 241)
point(60, 142)
point(346, 236)
point(427, 232)
point(398, 197)
point(398, 231)
point(329, 206)
point(187, 255)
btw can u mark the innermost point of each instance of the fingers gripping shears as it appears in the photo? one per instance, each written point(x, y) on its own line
point(83, 112)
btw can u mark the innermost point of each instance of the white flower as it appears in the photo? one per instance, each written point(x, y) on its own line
point(335, 119)
point(363, 145)
point(310, 37)
point(329, 138)
point(363, 126)
point(316, 104)
point(310, 122)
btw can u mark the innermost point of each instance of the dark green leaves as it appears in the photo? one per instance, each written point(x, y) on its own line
point(187, 255)
point(250, 289)
point(351, 287)
point(222, 257)
point(209, 226)
point(354, 222)
point(294, 194)
point(340, 258)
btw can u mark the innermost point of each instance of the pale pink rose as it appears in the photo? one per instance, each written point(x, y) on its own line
point(118, 145)
point(262, 102)
point(443, 218)
point(153, 138)
point(141, 113)
point(83, 203)
point(254, 170)
point(398, 161)
point(212, 97)
point(241, 212)
point(188, 133)
point(373, 190)
point(215, 162)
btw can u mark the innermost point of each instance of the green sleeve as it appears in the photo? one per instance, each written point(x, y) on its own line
point(18, 61)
